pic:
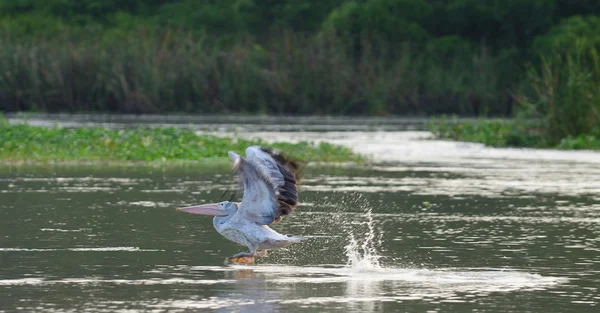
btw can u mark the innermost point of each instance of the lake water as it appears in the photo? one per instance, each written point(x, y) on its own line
point(429, 226)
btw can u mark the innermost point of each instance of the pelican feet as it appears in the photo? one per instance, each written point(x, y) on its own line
point(243, 257)
point(246, 257)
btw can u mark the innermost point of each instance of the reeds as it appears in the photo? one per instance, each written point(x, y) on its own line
point(560, 108)
point(565, 94)
point(177, 71)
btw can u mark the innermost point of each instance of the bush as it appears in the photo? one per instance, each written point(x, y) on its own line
point(149, 71)
point(293, 56)
point(568, 8)
point(391, 20)
point(495, 133)
point(33, 23)
point(496, 23)
point(565, 94)
point(578, 32)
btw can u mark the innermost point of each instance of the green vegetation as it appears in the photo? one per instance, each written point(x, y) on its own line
point(375, 57)
point(519, 133)
point(178, 71)
point(24, 143)
point(496, 133)
point(561, 109)
point(533, 59)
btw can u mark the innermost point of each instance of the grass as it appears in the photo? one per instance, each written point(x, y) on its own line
point(559, 108)
point(150, 71)
point(24, 143)
point(516, 133)
point(565, 94)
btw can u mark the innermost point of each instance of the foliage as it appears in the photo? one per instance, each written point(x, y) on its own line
point(255, 17)
point(502, 133)
point(581, 142)
point(219, 17)
point(560, 109)
point(574, 33)
point(390, 20)
point(27, 143)
point(498, 23)
point(567, 8)
point(153, 72)
point(375, 57)
point(566, 94)
point(496, 133)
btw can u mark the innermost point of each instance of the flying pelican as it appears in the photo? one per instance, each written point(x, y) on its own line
point(269, 183)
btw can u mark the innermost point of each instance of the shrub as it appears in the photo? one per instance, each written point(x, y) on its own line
point(565, 93)
point(392, 20)
point(577, 32)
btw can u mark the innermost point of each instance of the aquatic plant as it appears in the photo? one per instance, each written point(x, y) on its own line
point(376, 57)
point(149, 71)
point(490, 132)
point(565, 94)
point(559, 101)
point(24, 143)
point(510, 133)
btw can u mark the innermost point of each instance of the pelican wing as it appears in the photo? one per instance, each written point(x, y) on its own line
point(269, 183)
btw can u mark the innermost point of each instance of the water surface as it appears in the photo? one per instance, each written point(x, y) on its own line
point(429, 227)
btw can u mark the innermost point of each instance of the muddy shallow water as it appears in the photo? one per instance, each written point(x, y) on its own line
point(430, 226)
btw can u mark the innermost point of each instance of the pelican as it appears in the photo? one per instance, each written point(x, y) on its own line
point(269, 183)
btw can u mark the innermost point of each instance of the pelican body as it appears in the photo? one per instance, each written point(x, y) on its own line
point(269, 183)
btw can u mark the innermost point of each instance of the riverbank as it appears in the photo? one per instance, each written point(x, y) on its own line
point(511, 133)
point(23, 143)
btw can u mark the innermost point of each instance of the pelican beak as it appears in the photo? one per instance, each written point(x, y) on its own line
point(205, 209)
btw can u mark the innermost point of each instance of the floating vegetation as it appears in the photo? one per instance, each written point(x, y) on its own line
point(25, 143)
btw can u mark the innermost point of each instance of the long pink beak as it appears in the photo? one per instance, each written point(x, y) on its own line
point(213, 209)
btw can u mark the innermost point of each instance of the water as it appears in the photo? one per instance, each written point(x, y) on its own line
point(231, 123)
point(430, 227)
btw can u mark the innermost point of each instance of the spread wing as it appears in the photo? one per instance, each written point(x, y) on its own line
point(269, 183)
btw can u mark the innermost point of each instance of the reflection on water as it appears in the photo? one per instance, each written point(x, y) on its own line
point(452, 234)
point(228, 123)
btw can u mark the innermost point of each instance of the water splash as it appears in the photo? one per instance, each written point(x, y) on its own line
point(363, 256)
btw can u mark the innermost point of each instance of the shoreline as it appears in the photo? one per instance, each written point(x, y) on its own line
point(23, 144)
